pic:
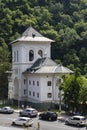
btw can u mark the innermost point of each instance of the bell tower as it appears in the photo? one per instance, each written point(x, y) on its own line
point(30, 46)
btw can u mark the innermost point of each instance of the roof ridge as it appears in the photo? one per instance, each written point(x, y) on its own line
point(30, 31)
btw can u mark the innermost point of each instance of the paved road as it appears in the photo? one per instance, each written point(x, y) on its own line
point(53, 128)
point(8, 128)
point(6, 120)
point(15, 128)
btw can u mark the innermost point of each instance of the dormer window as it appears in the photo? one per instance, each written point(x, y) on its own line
point(33, 35)
point(31, 55)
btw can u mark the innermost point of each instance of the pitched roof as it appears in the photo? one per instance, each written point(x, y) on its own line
point(62, 69)
point(30, 34)
point(46, 65)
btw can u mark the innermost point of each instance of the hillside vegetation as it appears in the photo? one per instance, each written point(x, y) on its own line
point(64, 21)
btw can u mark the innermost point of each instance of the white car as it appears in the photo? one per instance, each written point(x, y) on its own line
point(76, 120)
point(29, 112)
point(23, 121)
point(6, 110)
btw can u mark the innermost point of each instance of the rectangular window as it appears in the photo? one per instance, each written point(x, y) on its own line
point(17, 56)
point(30, 93)
point(37, 83)
point(33, 82)
point(29, 82)
point(37, 95)
point(24, 91)
point(34, 94)
point(24, 81)
point(59, 81)
point(49, 83)
point(49, 95)
point(14, 56)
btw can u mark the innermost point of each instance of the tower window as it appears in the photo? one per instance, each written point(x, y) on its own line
point(17, 56)
point(14, 56)
point(24, 81)
point(40, 53)
point(31, 55)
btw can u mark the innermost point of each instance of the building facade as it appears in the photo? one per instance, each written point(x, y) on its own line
point(35, 76)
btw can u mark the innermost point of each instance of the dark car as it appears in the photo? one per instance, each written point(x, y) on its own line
point(50, 116)
point(6, 110)
point(29, 112)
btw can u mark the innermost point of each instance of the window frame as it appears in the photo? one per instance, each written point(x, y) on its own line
point(49, 95)
point(40, 53)
point(49, 83)
point(31, 55)
point(37, 83)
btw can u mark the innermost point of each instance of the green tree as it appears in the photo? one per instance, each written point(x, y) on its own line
point(68, 37)
point(71, 91)
point(71, 58)
point(64, 21)
point(4, 66)
point(83, 92)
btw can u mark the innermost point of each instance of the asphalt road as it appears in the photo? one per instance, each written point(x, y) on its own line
point(6, 120)
point(8, 128)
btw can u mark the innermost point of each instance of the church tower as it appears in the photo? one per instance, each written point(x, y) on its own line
point(30, 46)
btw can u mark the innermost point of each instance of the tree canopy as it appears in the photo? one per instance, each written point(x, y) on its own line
point(75, 92)
point(61, 20)
point(4, 66)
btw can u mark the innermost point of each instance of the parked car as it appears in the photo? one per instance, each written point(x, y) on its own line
point(51, 116)
point(76, 120)
point(70, 113)
point(22, 121)
point(6, 110)
point(29, 112)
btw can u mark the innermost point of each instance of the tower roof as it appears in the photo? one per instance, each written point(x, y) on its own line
point(30, 34)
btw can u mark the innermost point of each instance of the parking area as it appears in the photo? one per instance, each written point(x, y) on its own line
point(6, 120)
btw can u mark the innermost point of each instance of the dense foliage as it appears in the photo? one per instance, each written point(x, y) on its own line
point(4, 66)
point(64, 21)
point(75, 92)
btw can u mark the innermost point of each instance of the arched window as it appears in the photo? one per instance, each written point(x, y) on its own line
point(40, 53)
point(31, 55)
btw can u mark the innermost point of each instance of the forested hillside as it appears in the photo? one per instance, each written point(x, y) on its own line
point(64, 21)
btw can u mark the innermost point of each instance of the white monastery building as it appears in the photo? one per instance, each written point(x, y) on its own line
point(35, 76)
